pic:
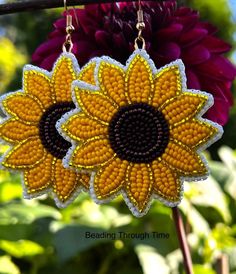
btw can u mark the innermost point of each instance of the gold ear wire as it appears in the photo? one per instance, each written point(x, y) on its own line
point(140, 26)
point(68, 44)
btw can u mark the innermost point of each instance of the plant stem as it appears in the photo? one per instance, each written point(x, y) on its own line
point(187, 260)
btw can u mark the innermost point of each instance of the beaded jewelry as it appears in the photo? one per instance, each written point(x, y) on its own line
point(37, 148)
point(139, 131)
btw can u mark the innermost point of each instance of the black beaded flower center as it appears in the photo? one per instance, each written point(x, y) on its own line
point(138, 133)
point(50, 138)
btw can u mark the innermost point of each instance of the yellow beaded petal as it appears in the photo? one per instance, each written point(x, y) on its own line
point(183, 160)
point(139, 80)
point(110, 179)
point(96, 105)
point(40, 177)
point(24, 107)
point(66, 181)
point(166, 183)
point(94, 152)
point(139, 185)
point(80, 127)
point(26, 154)
point(193, 133)
point(112, 82)
point(167, 84)
point(15, 131)
point(38, 85)
point(87, 74)
point(183, 107)
point(62, 78)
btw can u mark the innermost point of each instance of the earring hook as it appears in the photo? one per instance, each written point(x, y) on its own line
point(68, 45)
point(140, 26)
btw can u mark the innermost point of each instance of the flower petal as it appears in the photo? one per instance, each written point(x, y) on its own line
point(39, 177)
point(215, 45)
point(112, 82)
point(220, 68)
point(167, 84)
point(96, 105)
point(25, 155)
point(196, 55)
point(139, 80)
point(94, 152)
point(139, 185)
point(80, 127)
point(87, 74)
point(66, 181)
point(219, 112)
point(169, 51)
point(62, 78)
point(184, 160)
point(193, 133)
point(38, 85)
point(166, 183)
point(23, 107)
point(193, 36)
point(15, 131)
point(192, 79)
point(183, 107)
point(110, 179)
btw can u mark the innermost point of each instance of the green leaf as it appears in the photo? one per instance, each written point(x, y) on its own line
point(151, 260)
point(71, 239)
point(15, 232)
point(219, 172)
point(21, 248)
point(26, 213)
point(7, 266)
point(202, 269)
point(10, 187)
point(198, 223)
point(227, 156)
point(91, 214)
point(207, 193)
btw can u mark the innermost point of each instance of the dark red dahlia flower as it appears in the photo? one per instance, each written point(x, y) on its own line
point(170, 33)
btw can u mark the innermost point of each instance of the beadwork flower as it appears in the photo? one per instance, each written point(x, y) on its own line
point(37, 148)
point(140, 131)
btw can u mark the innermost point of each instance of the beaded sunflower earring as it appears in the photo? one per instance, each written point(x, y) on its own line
point(36, 147)
point(139, 131)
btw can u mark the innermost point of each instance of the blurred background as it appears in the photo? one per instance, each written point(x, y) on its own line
point(37, 238)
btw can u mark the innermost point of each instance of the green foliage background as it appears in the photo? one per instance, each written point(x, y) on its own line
point(37, 238)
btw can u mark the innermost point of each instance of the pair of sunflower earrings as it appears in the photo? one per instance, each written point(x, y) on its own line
point(107, 129)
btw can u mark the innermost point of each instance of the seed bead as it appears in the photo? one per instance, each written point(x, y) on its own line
point(166, 85)
point(26, 154)
point(139, 80)
point(112, 82)
point(111, 178)
point(193, 133)
point(15, 131)
point(139, 184)
point(183, 159)
point(87, 74)
point(38, 85)
point(24, 107)
point(40, 176)
point(97, 105)
point(92, 153)
point(166, 184)
point(183, 107)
